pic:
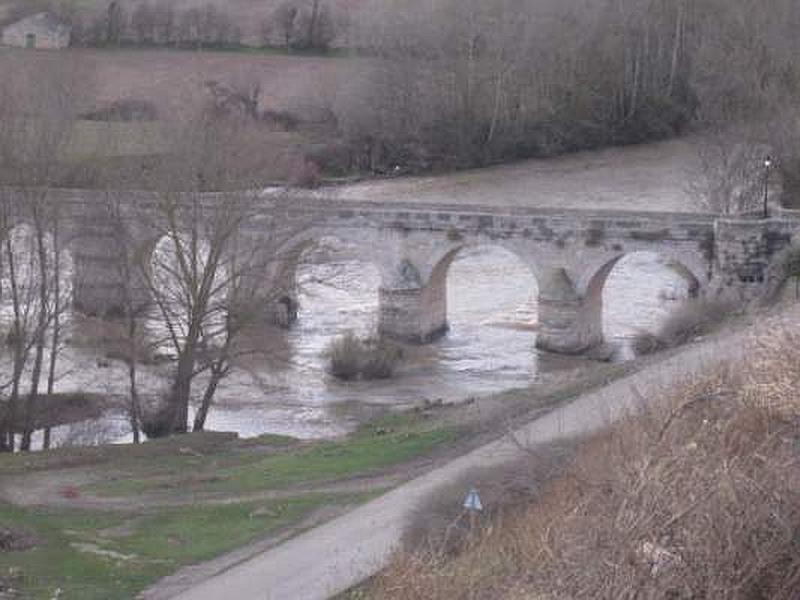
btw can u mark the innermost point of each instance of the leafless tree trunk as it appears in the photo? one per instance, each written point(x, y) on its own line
point(134, 306)
point(37, 112)
point(60, 302)
point(17, 340)
point(42, 321)
point(285, 17)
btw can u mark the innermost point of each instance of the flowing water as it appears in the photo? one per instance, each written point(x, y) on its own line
point(490, 347)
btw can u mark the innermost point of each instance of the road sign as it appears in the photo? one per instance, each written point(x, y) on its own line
point(473, 501)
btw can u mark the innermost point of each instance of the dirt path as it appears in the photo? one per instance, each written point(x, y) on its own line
point(485, 418)
point(55, 490)
point(333, 557)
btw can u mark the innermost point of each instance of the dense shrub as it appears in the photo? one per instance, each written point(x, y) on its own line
point(791, 268)
point(691, 319)
point(344, 356)
point(305, 174)
point(351, 357)
point(156, 420)
point(646, 342)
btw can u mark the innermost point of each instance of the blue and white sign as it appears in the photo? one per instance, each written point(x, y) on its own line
point(473, 501)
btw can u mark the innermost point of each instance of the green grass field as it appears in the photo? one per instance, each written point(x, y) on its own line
point(111, 556)
point(363, 454)
point(92, 554)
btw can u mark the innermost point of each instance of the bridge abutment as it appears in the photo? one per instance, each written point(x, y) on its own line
point(568, 323)
point(747, 266)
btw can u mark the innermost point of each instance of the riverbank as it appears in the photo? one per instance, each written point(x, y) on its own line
point(106, 521)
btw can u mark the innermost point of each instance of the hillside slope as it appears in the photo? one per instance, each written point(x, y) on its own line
point(698, 498)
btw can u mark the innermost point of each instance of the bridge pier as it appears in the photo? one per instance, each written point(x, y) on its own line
point(283, 310)
point(99, 280)
point(98, 290)
point(568, 323)
point(95, 288)
point(105, 264)
point(415, 315)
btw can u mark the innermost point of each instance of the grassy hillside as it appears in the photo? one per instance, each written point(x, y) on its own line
point(699, 498)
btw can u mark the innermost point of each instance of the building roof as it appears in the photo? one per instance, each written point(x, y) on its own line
point(43, 20)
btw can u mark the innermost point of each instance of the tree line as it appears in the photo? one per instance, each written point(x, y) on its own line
point(466, 83)
point(293, 25)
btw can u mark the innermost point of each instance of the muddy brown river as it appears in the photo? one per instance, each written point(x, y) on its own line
point(490, 347)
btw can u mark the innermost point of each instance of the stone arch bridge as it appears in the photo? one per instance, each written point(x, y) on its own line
point(569, 252)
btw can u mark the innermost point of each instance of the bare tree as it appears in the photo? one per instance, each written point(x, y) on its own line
point(19, 337)
point(60, 300)
point(115, 23)
point(729, 178)
point(205, 275)
point(134, 301)
point(38, 110)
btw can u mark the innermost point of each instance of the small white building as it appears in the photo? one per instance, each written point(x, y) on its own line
point(42, 30)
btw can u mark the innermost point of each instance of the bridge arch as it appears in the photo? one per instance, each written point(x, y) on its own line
point(23, 242)
point(688, 270)
point(416, 308)
point(280, 276)
point(693, 268)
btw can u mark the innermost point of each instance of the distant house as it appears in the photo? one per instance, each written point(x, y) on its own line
point(42, 30)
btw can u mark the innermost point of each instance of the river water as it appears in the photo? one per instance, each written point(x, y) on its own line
point(285, 388)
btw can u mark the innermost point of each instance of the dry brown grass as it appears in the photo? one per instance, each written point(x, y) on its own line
point(173, 84)
point(698, 497)
point(174, 81)
point(772, 382)
point(440, 526)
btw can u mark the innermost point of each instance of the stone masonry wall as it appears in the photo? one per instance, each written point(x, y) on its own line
point(747, 254)
point(413, 244)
